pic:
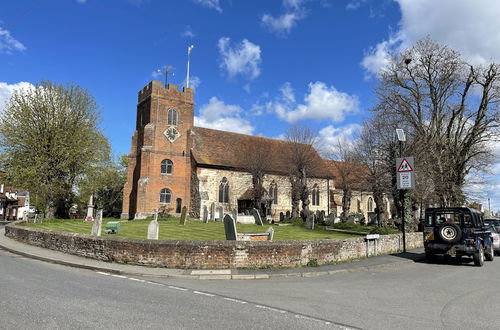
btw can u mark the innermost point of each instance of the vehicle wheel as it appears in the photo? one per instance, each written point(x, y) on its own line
point(490, 254)
point(479, 257)
point(449, 232)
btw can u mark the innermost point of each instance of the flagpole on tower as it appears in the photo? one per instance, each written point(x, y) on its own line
point(190, 48)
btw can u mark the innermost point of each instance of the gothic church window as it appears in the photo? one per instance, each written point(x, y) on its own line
point(224, 191)
point(315, 195)
point(165, 196)
point(167, 167)
point(273, 192)
point(370, 205)
point(172, 117)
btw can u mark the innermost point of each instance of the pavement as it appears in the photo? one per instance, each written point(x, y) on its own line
point(367, 264)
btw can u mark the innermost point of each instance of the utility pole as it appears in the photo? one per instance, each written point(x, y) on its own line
point(401, 138)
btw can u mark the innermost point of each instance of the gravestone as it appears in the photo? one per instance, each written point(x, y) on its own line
point(205, 214)
point(230, 228)
point(310, 221)
point(270, 230)
point(221, 213)
point(234, 212)
point(183, 216)
point(154, 228)
point(282, 217)
point(287, 214)
point(256, 216)
point(321, 218)
point(212, 212)
point(90, 210)
point(96, 226)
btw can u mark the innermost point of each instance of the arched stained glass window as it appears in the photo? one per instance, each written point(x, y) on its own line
point(172, 117)
point(370, 205)
point(167, 167)
point(224, 191)
point(165, 196)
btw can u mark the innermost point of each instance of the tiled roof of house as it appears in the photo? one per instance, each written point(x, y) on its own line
point(355, 175)
point(226, 149)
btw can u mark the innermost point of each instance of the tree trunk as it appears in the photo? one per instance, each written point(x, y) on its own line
point(346, 204)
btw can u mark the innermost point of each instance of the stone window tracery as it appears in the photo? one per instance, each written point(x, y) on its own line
point(224, 191)
point(165, 196)
point(315, 195)
point(273, 192)
point(167, 166)
point(172, 117)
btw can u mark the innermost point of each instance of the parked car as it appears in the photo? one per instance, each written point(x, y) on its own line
point(496, 237)
point(457, 232)
point(493, 221)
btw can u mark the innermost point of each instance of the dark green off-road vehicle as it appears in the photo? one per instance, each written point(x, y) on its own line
point(457, 232)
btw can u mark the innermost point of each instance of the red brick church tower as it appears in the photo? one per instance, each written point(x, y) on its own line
point(159, 167)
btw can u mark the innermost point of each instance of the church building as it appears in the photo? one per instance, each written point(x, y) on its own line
point(173, 163)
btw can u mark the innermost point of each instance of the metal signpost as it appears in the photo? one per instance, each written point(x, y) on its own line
point(405, 176)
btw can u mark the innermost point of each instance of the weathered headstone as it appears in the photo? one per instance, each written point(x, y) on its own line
point(256, 216)
point(282, 217)
point(96, 226)
point(205, 214)
point(321, 217)
point(234, 212)
point(212, 212)
point(230, 228)
point(310, 221)
point(90, 210)
point(221, 213)
point(154, 228)
point(270, 230)
point(182, 221)
point(288, 214)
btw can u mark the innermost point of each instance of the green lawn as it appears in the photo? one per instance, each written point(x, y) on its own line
point(193, 230)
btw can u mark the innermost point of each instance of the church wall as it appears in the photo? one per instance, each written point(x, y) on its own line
point(239, 182)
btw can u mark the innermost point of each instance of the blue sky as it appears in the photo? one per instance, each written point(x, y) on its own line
point(257, 66)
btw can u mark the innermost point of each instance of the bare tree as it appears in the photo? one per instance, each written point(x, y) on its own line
point(450, 109)
point(350, 174)
point(255, 160)
point(303, 160)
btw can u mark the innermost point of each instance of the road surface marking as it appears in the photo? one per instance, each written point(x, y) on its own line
point(271, 309)
point(103, 273)
point(119, 276)
point(176, 288)
point(236, 300)
point(204, 293)
point(136, 279)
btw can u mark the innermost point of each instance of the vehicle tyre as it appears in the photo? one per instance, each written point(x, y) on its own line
point(479, 257)
point(449, 232)
point(489, 254)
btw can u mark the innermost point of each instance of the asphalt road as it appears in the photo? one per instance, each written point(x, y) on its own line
point(35, 294)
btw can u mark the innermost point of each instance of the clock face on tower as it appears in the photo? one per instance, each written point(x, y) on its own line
point(171, 133)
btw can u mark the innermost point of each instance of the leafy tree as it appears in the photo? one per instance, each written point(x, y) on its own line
point(105, 182)
point(449, 109)
point(50, 138)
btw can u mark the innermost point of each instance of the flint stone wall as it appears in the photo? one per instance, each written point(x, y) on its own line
point(209, 254)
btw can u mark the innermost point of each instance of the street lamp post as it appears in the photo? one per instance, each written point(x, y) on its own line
point(402, 138)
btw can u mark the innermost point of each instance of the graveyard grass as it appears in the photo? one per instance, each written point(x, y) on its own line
point(192, 230)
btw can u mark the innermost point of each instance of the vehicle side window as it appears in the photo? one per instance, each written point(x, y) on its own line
point(467, 220)
point(428, 220)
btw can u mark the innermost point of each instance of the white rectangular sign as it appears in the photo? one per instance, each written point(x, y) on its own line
point(405, 180)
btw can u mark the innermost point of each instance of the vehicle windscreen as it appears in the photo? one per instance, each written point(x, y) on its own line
point(494, 222)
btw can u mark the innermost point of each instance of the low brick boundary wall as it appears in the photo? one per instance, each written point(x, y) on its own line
point(210, 254)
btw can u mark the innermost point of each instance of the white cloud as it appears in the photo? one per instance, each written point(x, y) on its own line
point(242, 59)
point(188, 32)
point(330, 136)
point(470, 27)
point(213, 4)
point(6, 91)
point(218, 115)
point(322, 102)
point(377, 58)
point(283, 24)
point(8, 44)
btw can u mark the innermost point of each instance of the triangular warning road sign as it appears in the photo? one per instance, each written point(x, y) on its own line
point(405, 166)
